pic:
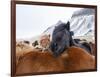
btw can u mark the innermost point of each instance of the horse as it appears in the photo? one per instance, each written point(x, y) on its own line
point(27, 42)
point(62, 39)
point(43, 43)
point(71, 60)
point(35, 43)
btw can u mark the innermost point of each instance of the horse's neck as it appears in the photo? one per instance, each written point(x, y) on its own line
point(72, 42)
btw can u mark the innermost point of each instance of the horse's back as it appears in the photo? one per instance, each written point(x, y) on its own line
point(79, 59)
point(35, 62)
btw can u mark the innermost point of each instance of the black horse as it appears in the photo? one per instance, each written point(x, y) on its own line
point(62, 39)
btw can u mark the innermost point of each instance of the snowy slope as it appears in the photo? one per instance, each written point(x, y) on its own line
point(82, 23)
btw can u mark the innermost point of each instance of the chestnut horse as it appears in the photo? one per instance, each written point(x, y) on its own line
point(72, 59)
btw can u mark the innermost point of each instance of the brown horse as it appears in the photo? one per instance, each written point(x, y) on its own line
point(72, 59)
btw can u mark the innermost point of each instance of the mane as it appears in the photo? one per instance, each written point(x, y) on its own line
point(59, 28)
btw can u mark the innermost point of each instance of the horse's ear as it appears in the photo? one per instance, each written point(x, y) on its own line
point(71, 33)
point(68, 26)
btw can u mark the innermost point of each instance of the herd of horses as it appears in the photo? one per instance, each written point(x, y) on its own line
point(66, 55)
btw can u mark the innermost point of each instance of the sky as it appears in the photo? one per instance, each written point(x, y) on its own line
point(32, 20)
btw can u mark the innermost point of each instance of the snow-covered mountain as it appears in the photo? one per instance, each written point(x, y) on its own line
point(81, 22)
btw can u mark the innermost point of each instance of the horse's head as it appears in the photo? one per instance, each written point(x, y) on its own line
point(61, 38)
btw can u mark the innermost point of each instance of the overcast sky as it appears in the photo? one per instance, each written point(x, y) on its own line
point(32, 20)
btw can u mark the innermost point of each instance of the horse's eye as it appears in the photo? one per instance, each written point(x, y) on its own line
point(55, 44)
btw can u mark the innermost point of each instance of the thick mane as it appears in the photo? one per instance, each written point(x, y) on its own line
point(58, 28)
point(62, 26)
